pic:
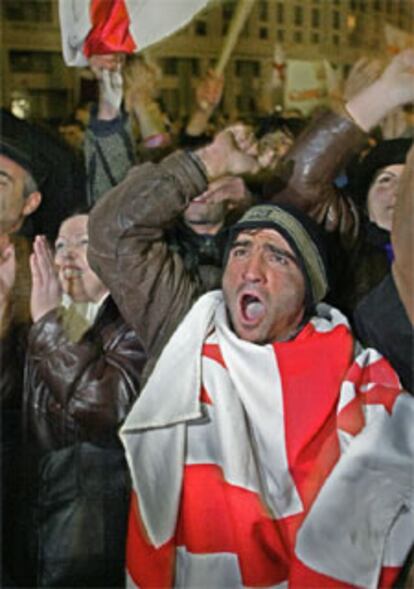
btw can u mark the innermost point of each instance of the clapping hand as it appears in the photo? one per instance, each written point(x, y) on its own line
point(46, 289)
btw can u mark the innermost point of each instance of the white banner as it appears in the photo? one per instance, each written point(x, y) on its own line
point(306, 85)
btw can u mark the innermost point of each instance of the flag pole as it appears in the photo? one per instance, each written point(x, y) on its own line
point(240, 16)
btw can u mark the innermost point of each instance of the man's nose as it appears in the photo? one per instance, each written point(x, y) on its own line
point(254, 269)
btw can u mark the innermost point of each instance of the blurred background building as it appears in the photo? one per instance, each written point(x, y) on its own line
point(36, 84)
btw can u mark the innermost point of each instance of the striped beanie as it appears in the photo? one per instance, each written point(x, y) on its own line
point(303, 235)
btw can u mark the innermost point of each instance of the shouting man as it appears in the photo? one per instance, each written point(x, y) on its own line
point(267, 447)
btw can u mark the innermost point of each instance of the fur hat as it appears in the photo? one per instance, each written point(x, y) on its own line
point(303, 235)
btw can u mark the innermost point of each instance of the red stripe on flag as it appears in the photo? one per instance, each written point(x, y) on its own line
point(351, 418)
point(219, 517)
point(389, 576)
point(384, 391)
point(205, 397)
point(310, 397)
point(379, 371)
point(110, 29)
point(382, 395)
point(147, 566)
point(213, 352)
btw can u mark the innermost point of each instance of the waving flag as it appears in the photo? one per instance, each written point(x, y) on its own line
point(97, 27)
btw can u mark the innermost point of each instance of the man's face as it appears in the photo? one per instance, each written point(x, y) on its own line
point(73, 135)
point(264, 287)
point(12, 202)
point(382, 195)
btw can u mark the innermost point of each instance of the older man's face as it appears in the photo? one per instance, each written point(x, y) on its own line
point(12, 178)
point(264, 287)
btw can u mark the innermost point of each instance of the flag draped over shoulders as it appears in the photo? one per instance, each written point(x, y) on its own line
point(264, 466)
point(97, 27)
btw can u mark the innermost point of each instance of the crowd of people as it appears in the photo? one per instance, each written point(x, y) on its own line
point(207, 342)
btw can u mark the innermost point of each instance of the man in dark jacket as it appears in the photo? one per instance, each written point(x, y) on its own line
point(161, 252)
point(20, 197)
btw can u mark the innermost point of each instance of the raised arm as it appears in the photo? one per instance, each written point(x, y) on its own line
point(305, 176)
point(127, 239)
point(109, 145)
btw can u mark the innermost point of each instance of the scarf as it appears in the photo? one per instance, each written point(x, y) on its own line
point(232, 445)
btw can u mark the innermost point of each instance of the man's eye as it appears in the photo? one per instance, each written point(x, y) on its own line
point(239, 252)
point(281, 259)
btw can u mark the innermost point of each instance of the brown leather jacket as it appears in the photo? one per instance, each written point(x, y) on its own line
point(81, 391)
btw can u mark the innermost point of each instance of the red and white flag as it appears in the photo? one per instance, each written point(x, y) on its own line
point(283, 465)
point(97, 27)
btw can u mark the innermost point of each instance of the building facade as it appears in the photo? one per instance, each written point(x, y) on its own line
point(37, 84)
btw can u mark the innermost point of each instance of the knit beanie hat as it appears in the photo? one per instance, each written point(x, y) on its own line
point(302, 234)
point(386, 153)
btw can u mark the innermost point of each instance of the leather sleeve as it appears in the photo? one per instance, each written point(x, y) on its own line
point(94, 382)
point(128, 251)
point(305, 177)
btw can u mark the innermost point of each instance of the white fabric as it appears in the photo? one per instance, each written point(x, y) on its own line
point(366, 504)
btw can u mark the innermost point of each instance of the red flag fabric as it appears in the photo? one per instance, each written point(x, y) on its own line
point(110, 29)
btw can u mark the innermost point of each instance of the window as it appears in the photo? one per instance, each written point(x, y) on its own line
point(315, 38)
point(316, 21)
point(200, 28)
point(298, 15)
point(280, 35)
point(263, 33)
point(227, 10)
point(297, 36)
point(27, 10)
point(353, 5)
point(243, 66)
point(170, 66)
point(335, 39)
point(377, 5)
point(37, 62)
point(280, 12)
point(263, 12)
point(336, 20)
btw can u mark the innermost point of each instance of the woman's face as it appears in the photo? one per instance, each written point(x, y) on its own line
point(382, 195)
point(75, 274)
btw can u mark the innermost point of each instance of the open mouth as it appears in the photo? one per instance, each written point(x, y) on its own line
point(71, 272)
point(252, 308)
